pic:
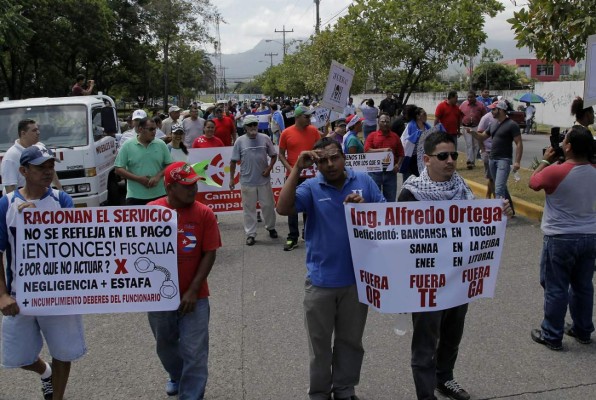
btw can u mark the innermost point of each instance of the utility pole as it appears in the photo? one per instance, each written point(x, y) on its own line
point(271, 56)
point(283, 32)
point(318, 20)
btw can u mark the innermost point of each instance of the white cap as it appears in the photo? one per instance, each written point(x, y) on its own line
point(139, 114)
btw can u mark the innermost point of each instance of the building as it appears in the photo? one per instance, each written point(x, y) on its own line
point(541, 70)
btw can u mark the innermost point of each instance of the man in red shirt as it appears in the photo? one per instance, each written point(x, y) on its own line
point(472, 112)
point(295, 139)
point(225, 127)
point(182, 335)
point(449, 115)
point(383, 140)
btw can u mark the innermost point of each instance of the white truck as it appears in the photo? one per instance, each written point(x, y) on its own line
point(81, 131)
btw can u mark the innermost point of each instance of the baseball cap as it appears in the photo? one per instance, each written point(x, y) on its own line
point(502, 104)
point(36, 155)
point(352, 120)
point(340, 121)
point(177, 127)
point(301, 110)
point(250, 119)
point(174, 109)
point(139, 114)
point(180, 172)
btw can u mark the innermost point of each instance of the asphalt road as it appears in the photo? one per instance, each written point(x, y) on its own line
point(259, 348)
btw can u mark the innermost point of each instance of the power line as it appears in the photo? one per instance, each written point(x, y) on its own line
point(336, 15)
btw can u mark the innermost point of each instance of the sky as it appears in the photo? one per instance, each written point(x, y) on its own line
point(249, 22)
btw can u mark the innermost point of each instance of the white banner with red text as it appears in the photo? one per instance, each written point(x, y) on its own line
point(97, 260)
point(425, 256)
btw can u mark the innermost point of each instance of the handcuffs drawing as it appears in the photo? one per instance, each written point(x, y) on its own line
point(168, 287)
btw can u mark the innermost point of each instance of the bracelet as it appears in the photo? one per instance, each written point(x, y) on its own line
point(546, 162)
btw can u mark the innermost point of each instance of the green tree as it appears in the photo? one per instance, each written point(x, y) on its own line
point(490, 55)
point(555, 30)
point(177, 21)
point(495, 76)
point(412, 37)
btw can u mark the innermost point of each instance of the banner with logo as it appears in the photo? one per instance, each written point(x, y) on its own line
point(223, 200)
point(425, 256)
point(97, 260)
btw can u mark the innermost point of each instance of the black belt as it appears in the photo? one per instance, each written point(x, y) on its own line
point(470, 126)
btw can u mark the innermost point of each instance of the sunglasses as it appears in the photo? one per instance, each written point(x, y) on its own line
point(252, 124)
point(442, 156)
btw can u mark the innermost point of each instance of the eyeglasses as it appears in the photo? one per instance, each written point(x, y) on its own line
point(442, 156)
point(252, 124)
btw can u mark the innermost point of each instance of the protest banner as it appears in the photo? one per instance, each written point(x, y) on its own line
point(97, 260)
point(338, 87)
point(223, 200)
point(590, 81)
point(425, 256)
point(320, 116)
point(370, 162)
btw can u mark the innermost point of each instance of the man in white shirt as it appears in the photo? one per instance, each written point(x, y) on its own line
point(137, 115)
point(193, 127)
point(350, 108)
point(28, 136)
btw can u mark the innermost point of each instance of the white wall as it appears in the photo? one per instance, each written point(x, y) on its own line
point(555, 112)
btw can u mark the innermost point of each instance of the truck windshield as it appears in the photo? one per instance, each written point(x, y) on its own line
point(59, 126)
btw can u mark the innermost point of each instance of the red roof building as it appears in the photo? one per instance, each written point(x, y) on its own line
point(541, 70)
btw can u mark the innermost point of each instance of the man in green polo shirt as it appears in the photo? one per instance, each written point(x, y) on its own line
point(141, 161)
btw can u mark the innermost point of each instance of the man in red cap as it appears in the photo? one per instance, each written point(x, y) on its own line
point(183, 335)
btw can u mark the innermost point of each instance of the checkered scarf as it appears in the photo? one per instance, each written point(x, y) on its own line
point(423, 188)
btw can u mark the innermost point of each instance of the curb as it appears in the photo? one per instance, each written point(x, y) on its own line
point(522, 207)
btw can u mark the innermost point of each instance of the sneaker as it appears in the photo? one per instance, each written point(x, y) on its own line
point(250, 241)
point(536, 335)
point(273, 234)
point(290, 245)
point(453, 390)
point(346, 398)
point(570, 332)
point(470, 165)
point(47, 389)
point(171, 388)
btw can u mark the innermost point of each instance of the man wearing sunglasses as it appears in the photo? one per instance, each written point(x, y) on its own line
point(334, 317)
point(437, 334)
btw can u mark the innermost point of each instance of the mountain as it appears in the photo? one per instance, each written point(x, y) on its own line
point(242, 67)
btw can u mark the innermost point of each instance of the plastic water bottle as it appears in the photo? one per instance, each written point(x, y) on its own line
point(402, 323)
point(516, 176)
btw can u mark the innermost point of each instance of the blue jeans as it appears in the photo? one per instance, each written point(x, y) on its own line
point(182, 344)
point(566, 271)
point(499, 170)
point(367, 130)
point(387, 183)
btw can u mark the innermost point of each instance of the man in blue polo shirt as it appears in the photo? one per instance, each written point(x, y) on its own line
point(331, 306)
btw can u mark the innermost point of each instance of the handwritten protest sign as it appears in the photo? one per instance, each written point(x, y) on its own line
point(97, 260)
point(590, 81)
point(425, 256)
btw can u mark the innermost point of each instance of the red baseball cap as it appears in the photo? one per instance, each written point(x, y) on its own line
point(180, 172)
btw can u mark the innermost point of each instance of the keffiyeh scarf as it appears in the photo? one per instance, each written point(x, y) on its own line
point(423, 188)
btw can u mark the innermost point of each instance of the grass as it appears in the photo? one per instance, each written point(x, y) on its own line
point(516, 189)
